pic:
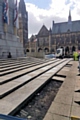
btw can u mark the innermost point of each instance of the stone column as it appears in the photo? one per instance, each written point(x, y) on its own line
point(50, 46)
point(36, 46)
point(5, 27)
point(29, 46)
point(15, 31)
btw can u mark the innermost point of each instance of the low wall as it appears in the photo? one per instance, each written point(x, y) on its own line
point(36, 54)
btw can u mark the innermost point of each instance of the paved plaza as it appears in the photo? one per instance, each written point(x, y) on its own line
point(65, 105)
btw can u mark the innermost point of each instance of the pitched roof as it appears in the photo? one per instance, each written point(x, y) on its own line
point(43, 31)
point(74, 26)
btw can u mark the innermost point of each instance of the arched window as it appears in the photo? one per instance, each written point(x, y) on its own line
point(27, 50)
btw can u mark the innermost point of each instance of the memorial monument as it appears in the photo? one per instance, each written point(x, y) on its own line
point(9, 41)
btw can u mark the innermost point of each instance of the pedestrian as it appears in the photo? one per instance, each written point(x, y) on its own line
point(9, 55)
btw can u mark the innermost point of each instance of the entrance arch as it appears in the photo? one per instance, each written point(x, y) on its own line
point(46, 50)
point(73, 48)
point(40, 49)
point(27, 50)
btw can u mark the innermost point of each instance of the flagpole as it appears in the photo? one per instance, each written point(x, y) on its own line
point(5, 15)
point(15, 17)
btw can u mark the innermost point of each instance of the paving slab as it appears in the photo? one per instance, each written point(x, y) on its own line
point(58, 78)
point(62, 72)
point(65, 99)
point(60, 117)
point(60, 109)
point(75, 100)
point(63, 102)
point(75, 111)
point(66, 68)
point(51, 116)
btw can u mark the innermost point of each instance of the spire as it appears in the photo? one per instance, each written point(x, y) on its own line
point(69, 17)
point(50, 31)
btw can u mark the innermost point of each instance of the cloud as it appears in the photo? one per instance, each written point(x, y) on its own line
point(57, 11)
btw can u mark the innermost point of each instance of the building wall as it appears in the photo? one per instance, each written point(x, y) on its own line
point(9, 42)
point(68, 40)
point(24, 20)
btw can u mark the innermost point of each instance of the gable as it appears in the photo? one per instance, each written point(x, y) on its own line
point(43, 31)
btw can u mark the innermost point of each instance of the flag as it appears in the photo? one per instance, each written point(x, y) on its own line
point(6, 11)
point(35, 40)
point(16, 24)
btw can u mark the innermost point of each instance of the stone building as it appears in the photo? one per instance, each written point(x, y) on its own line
point(9, 41)
point(23, 23)
point(62, 35)
point(31, 45)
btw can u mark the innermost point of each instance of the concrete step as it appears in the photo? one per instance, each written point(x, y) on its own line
point(63, 72)
point(12, 76)
point(23, 68)
point(14, 101)
point(16, 66)
point(22, 65)
point(18, 63)
point(58, 78)
point(15, 84)
point(13, 61)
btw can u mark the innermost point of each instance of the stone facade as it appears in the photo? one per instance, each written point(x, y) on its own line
point(23, 23)
point(62, 35)
point(9, 42)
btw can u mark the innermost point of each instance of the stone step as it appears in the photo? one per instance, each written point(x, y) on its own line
point(23, 68)
point(17, 63)
point(22, 64)
point(15, 84)
point(13, 61)
point(17, 74)
point(62, 72)
point(16, 66)
point(58, 78)
point(14, 101)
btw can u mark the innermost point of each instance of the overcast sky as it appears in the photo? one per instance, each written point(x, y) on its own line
point(45, 11)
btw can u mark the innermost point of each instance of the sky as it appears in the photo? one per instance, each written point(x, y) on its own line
point(45, 11)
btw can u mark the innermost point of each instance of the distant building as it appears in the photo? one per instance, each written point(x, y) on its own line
point(62, 35)
point(23, 23)
point(31, 45)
